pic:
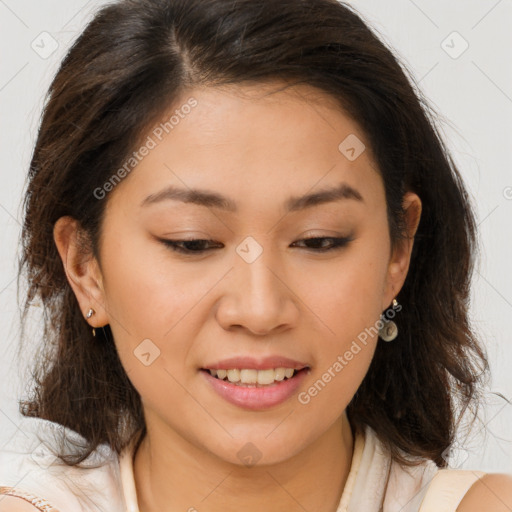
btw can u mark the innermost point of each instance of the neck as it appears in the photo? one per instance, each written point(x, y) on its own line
point(178, 480)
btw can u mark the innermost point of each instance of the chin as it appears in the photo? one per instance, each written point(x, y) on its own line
point(257, 451)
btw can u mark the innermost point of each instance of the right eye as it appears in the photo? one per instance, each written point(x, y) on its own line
point(194, 246)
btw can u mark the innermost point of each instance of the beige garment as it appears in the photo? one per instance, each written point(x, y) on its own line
point(447, 489)
point(375, 483)
point(29, 469)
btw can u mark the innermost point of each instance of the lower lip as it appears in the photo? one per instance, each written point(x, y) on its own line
point(255, 398)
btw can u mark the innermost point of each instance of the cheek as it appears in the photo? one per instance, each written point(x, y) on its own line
point(347, 299)
point(346, 295)
point(146, 292)
point(342, 363)
point(149, 304)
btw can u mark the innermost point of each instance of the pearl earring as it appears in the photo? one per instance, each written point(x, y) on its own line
point(88, 315)
point(388, 330)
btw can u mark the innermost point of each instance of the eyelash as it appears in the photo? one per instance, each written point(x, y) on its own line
point(337, 243)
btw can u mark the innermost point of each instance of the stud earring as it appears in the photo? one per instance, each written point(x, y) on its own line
point(389, 329)
point(88, 315)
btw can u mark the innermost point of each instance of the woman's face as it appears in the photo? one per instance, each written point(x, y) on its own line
point(253, 289)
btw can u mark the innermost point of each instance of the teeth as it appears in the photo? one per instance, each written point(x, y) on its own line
point(288, 372)
point(251, 376)
point(233, 375)
point(280, 373)
point(265, 376)
point(248, 376)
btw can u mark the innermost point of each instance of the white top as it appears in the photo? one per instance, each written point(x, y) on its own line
point(28, 468)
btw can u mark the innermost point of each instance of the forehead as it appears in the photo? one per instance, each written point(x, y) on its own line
point(253, 143)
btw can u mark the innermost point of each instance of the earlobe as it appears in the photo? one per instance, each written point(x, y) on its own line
point(81, 269)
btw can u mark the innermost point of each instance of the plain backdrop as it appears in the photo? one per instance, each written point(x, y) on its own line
point(459, 54)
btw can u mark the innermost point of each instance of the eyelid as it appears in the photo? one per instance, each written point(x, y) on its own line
point(314, 233)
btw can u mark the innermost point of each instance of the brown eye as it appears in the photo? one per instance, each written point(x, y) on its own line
point(318, 243)
point(194, 246)
point(200, 246)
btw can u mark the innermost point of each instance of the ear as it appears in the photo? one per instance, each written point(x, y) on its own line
point(401, 257)
point(82, 269)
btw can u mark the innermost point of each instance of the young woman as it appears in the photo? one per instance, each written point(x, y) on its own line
point(254, 255)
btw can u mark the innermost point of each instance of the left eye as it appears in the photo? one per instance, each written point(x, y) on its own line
point(196, 246)
point(335, 243)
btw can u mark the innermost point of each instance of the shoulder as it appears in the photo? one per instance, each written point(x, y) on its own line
point(492, 493)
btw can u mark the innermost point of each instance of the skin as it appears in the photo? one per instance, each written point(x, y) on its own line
point(492, 492)
point(310, 306)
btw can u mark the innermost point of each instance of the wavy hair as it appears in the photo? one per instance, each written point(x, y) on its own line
point(130, 63)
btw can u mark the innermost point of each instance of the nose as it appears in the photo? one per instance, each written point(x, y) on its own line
point(257, 297)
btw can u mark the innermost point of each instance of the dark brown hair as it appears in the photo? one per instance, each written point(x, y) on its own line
point(130, 63)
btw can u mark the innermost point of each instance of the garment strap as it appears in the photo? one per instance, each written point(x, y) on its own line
point(39, 503)
point(447, 489)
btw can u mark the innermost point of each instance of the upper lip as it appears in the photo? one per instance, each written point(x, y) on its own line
point(265, 363)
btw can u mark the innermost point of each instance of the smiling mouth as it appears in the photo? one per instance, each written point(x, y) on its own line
point(251, 378)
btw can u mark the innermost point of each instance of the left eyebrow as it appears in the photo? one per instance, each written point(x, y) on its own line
point(212, 199)
point(329, 195)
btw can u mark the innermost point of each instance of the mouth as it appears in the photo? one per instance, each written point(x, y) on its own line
point(255, 390)
point(252, 378)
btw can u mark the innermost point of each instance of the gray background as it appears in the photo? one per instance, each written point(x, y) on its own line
point(471, 87)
